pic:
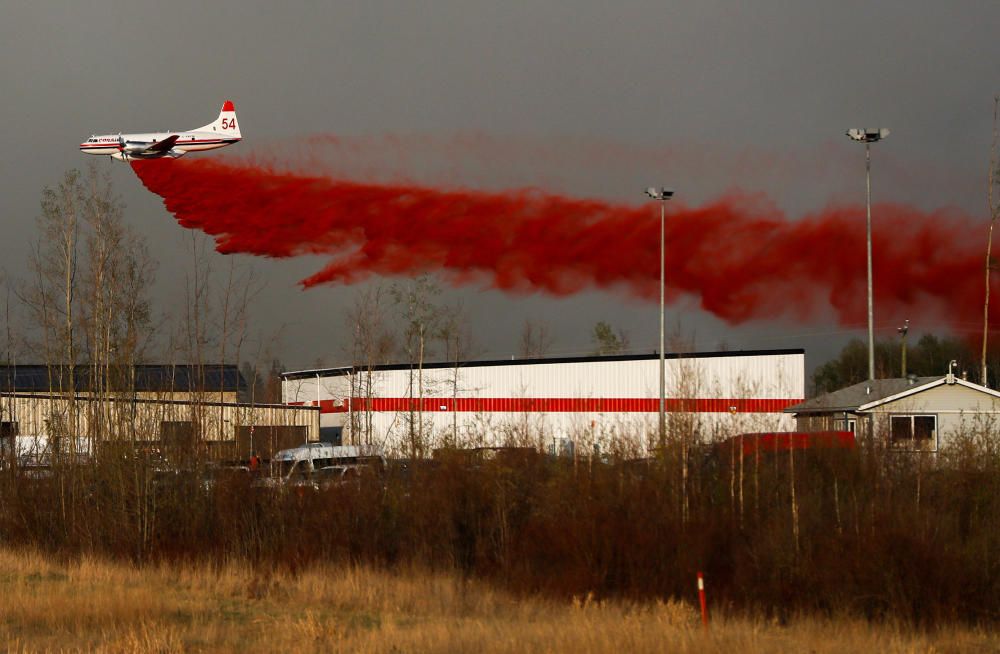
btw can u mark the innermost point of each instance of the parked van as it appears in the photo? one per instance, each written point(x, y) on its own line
point(299, 463)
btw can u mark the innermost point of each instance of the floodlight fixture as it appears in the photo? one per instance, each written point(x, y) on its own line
point(660, 193)
point(868, 135)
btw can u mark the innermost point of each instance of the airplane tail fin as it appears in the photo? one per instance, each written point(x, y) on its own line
point(225, 125)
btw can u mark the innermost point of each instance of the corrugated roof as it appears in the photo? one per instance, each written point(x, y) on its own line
point(345, 370)
point(147, 378)
point(852, 397)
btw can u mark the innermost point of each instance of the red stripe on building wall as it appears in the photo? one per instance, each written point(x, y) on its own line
point(558, 404)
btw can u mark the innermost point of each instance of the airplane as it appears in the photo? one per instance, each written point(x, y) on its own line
point(127, 147)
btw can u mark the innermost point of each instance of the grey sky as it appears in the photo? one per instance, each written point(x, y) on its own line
point(592, 98)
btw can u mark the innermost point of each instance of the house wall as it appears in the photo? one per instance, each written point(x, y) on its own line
point(957, 408)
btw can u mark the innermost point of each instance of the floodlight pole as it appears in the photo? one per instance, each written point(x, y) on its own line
point(663, 376)
point(871, 311)
point(662, 195)
point(869, 136)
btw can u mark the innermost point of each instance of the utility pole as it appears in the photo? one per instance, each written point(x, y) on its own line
point(994, 214)
point(902, 332)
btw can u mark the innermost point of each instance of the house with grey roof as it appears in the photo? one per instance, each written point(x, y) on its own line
point(914, 413)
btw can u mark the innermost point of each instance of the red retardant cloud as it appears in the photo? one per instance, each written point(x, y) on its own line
point(743, 260)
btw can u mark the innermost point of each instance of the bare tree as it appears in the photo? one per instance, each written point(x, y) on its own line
point(194, 337)
point(456, 337)
point(51, 294)
point(235, 298)
point(535, 339)
point(198, 305)
point(371, 344)
point(88, 300)
point(116, 315)
point(421, 316)
point(51, 298)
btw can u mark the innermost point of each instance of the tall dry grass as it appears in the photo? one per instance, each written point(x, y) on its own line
point(87, 604)
point(865, 533)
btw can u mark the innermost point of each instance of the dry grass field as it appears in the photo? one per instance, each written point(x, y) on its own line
point(93, 605)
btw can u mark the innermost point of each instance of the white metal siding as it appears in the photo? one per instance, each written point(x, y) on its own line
point(739, 378)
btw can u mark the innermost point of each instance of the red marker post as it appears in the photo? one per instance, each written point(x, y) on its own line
point(701, 598)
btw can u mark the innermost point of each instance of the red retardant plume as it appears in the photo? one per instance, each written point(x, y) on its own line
point(742, 260)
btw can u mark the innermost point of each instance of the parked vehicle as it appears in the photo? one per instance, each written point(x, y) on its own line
point(303, 460)
point(301, 466)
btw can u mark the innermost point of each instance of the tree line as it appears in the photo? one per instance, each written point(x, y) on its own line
point(929, 356)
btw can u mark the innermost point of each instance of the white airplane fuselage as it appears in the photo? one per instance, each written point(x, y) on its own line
point(155, 145)
point(117, 146)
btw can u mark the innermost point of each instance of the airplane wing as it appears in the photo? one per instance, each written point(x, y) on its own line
point(163, 145)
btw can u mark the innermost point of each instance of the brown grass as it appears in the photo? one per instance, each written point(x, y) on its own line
point(867, 536)
point(94, 605)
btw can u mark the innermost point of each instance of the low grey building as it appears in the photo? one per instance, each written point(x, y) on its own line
point(915, 413)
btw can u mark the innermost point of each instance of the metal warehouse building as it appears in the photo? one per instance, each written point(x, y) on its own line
point(178, 409)
point(559, 403)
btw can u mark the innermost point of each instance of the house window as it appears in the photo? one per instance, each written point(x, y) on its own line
point(914, 432)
